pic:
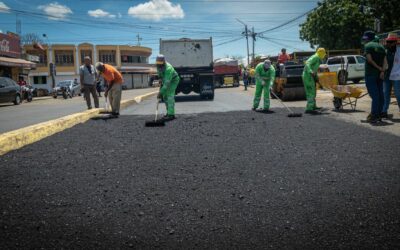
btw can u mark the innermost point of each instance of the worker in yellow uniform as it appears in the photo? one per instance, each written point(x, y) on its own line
point(310, 76)
point(265, 75)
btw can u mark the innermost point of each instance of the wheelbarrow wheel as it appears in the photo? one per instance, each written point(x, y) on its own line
point(337, 102)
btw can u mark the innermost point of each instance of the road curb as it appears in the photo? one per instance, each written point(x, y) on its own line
point(21, 137)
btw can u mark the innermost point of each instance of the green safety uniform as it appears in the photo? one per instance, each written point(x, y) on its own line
point(312, 65)
point(170, 80)
point(264, 81)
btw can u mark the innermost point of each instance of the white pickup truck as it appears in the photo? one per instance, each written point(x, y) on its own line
point(349, 67)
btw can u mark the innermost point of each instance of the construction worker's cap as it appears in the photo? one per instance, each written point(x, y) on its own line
point(160, 60)
point(321, 53)
point(267, 64)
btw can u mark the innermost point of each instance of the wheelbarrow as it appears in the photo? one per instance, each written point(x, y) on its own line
point(342, 95)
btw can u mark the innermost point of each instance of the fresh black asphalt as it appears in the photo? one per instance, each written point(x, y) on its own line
point(234, 180)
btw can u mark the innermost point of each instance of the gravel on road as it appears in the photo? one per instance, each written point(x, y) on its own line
point(234, 180)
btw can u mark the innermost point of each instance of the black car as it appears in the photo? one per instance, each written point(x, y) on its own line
point(10, 91)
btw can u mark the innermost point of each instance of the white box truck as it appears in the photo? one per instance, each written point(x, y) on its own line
point(193, 60)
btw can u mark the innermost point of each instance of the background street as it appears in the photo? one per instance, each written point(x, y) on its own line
point(43, 109)
point(227, 178)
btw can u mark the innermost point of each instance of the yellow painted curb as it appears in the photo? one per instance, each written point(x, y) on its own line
point(21, 137)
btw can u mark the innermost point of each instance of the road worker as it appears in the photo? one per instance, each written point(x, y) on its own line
point(265, 75)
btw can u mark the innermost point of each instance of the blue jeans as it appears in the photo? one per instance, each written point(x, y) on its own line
point(387, 89)
point(375, 90)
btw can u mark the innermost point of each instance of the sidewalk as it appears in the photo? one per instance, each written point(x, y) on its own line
point(14, 117)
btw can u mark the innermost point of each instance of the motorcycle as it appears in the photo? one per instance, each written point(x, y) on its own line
point(27, 93)
point(64, 92)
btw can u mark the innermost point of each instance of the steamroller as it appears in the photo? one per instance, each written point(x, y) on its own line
point(288, 84)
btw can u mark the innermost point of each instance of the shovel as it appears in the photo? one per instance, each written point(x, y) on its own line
point(157, 122)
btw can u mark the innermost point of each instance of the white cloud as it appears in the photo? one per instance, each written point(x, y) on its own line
point(56, 11)
point(156, 10)
point(100, 13)
point(4, 8)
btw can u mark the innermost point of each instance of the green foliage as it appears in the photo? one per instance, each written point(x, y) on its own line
point(336, 24)
point(387, 11)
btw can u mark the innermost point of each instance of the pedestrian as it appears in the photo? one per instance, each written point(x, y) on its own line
point(113, 78)
point(265, 76)
point(98, 87)
point(391, 47)
point(245, 78)
point(88, 82)
point(169, 82)
point(21, 81)
point(283, 57)
point(375, 67)
point(310, 76)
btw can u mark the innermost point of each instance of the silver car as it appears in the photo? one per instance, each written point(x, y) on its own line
point(72, 88)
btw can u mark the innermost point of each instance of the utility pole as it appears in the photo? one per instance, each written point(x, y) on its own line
point(253, 35)
point(246, 33)
point(138, 39)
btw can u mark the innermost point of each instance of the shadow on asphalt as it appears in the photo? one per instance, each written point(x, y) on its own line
point(191, 98)
point(347, 111)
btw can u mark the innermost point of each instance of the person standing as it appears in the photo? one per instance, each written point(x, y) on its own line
point(310, 76)
point(375, 67)
point(391, 44)
point(113, 78)
point(265, 76)
point(283, 57)
point(88, 82)
point(245, 78)
point(169, 80)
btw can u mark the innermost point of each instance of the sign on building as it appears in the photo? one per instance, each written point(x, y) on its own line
point(10, 45)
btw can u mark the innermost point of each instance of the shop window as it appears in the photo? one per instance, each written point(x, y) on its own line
point(133, 59)
point(107, 56)
point(40, 80)
point(64, 57)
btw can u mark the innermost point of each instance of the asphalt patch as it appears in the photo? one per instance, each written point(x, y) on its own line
point(237, 180)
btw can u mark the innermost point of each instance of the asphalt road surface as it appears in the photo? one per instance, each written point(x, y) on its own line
point(220, 180)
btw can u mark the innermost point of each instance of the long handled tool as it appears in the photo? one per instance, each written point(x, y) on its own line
point(292, 114)
point(157, 122)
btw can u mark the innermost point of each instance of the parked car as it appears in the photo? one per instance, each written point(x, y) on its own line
point(68, 87)
point(10, 91)
point(349, 67)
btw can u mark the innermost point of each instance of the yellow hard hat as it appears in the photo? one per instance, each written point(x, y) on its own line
point(321, 53)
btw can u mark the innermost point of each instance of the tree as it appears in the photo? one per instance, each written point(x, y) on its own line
point(336, 24)
point(31, 38)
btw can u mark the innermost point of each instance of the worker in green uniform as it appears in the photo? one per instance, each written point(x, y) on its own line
point(169, 81)
point(265, 76)
point(310, 76)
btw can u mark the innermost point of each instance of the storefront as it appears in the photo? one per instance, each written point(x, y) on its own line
point(11, 64)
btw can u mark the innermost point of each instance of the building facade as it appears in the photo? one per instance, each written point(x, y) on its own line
point(11, 63)
point(131, 61)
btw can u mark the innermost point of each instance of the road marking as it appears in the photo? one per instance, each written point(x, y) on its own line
point(19, 138)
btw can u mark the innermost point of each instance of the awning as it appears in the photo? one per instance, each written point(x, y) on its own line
point(15, 62)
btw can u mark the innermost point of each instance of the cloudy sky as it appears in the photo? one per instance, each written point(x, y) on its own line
point(121, 21)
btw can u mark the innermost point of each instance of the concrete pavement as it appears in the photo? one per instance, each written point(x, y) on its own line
point(14, 117)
